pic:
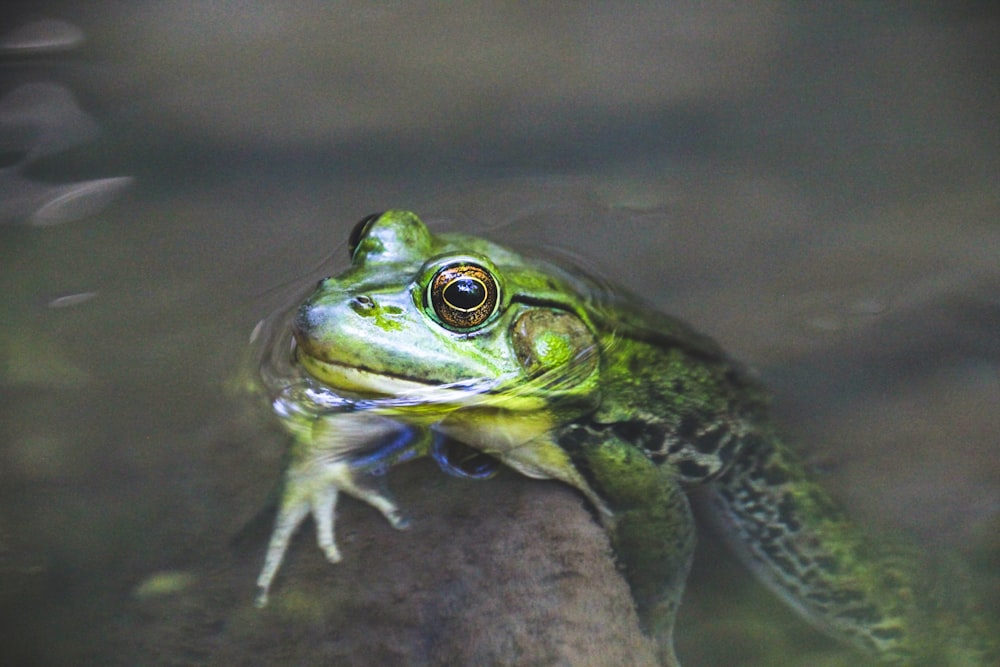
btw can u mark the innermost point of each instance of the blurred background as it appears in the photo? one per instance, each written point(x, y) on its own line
point(813, 184)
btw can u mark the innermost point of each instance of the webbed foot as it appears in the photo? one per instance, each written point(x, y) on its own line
point(315, 492)
point(331, 463)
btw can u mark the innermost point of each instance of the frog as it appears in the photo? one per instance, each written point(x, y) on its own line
point(458, 348)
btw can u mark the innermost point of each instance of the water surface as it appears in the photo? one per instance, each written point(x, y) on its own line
point(816, 188)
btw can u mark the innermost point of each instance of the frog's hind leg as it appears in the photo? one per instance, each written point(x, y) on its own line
point(886, 598)
point(802, 546)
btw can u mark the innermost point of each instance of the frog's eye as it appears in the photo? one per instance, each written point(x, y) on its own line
point(359, 231)
point(464, 295)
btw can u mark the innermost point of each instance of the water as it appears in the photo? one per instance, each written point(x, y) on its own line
point(816, 188)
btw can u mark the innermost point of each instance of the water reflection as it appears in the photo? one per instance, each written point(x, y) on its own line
point(38, 120)
point(43, 118)
point(43, 36)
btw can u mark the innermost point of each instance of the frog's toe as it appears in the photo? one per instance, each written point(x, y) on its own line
point(314, 490)
point(397, 519)
point(371, 489)
point(323, 510)
point(332, 553)
point(303, 495)
point(290, 516)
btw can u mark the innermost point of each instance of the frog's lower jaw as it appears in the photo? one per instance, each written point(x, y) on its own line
point(313, 489)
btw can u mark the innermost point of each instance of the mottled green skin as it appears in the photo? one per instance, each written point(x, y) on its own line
point(571, 380)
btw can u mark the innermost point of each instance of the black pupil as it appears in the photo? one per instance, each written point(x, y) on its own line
point(465, 293)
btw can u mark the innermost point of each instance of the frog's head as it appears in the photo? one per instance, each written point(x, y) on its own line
point(447, 317)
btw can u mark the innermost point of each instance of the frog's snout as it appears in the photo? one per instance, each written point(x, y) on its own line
point(306, 321)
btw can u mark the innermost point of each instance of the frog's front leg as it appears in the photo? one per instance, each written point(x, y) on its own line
point(340, 453)
point(649, 521)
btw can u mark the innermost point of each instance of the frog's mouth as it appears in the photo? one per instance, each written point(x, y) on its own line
point(360, 380)
point(406, 390)
point(401, 391)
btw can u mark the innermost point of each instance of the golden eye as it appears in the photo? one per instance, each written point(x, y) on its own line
point(464, 295)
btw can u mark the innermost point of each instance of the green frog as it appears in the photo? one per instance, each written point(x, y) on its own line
point(455, 347)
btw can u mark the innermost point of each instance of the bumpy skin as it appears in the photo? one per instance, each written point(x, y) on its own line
point(431, 340)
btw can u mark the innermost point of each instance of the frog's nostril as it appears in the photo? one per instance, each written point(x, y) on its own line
point(362, 302)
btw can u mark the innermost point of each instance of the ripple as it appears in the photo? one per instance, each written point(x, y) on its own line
point(70, 300)
point(44, 36)
point(79, 200)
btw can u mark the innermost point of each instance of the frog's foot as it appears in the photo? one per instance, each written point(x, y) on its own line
point(313, 489)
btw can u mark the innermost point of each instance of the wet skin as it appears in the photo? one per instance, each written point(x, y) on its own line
point(455, 347)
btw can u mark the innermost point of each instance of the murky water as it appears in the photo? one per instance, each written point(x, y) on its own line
point(816, 188)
